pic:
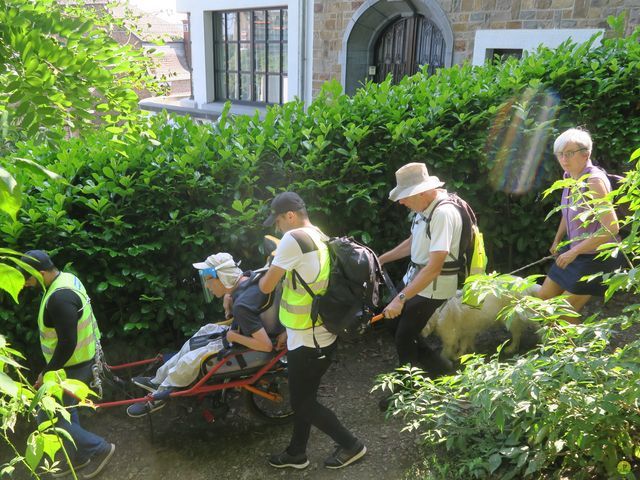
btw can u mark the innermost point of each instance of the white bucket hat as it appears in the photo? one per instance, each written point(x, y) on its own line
point(413, 178)
point(225, 266)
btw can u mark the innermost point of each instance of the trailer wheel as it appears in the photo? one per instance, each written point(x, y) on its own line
point(275, 412)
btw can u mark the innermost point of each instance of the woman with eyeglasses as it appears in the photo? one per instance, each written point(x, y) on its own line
point(583, 228)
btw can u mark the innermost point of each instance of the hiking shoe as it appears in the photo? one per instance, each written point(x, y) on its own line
point(343, 457)
point(65, 469)
point(141, 409)
point(146, 383)
point(284, 460)
point(99, 461)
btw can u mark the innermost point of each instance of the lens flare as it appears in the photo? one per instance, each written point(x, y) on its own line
point(518, 140)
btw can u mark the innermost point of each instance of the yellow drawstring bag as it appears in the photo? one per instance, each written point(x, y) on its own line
point(479, 257)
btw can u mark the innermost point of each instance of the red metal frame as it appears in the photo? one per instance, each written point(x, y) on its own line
point(157, 358)
point(201, 387)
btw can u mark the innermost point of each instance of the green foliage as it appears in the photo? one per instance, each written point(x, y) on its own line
point(19, 399)
point(568, 408)
point(140, 207)
point(60, 71)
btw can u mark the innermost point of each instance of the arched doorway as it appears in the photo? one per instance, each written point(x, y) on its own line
point(405, 45)
point(374, 21)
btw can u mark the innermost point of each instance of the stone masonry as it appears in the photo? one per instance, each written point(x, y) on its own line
point(331, 18)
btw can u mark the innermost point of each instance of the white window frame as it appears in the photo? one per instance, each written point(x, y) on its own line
point(528, 40)
point(299, 63)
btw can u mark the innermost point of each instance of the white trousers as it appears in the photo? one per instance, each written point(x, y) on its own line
point(183, 368)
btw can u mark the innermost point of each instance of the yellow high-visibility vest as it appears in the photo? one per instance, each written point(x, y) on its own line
point(295, 305)
point(88, 333)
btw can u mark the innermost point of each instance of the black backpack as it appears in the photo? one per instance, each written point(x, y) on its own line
point(353, 292)
point(458, 266)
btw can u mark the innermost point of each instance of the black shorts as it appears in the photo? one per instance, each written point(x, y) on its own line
point(585, 264)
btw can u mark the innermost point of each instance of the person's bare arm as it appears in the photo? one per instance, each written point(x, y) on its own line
point(258, 340)
point(269, 280)
point(424, 277)
point(402, 250)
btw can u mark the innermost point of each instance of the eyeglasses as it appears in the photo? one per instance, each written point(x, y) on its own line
point(568, 155)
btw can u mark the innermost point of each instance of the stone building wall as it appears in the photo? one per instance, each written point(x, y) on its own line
point(332, 17)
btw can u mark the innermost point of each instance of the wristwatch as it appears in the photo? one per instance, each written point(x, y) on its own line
point(402, 296)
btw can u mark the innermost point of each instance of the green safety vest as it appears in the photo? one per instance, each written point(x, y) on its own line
point(295, 305)
point(88, 332)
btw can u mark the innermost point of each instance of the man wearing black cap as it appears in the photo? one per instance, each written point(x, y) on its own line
point(302, 251)
point(68, 338)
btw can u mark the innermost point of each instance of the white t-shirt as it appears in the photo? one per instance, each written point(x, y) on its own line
point(289, 256)
point(446, 228)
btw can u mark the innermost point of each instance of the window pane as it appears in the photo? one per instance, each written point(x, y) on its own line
point(245, 87)
point(233, 57)
point(274, 57)
point(250, 55)
point(221, 85)
point(245, 57)
point(245, 26)
point(285, 22)
point(261, 88)
point(232, 29)
point(285, 89)
point(274, 88)
point(259, 55)
point(284, 58)
point(232, 93)
point(218, 26)
point(273, 25)
point(259, 25)
point(220, 57)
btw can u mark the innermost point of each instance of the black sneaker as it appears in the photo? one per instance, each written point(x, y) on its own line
point(99, 461)
point(141, 409)
point(284, 460)
point(343, 457)
point(65, 469)
point(146, 383)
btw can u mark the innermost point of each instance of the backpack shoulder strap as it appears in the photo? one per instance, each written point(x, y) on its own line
point(428, 219)
point(304, 240)
point(307, 244)
point(468, 219)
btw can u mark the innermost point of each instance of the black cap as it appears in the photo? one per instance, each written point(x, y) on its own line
point(37, 259)
point(284, 202)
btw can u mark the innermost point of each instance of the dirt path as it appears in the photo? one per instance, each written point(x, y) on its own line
point(185, 447)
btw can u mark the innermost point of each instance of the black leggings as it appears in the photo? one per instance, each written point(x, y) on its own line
point(414, 317)
point(305, 373)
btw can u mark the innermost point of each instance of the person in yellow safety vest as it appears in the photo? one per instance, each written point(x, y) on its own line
point(302, 249)
point(68, 336)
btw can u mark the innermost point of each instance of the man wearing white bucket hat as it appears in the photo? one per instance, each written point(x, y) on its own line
point(425, 285)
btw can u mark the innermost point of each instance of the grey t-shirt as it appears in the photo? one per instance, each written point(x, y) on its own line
point(250, 310)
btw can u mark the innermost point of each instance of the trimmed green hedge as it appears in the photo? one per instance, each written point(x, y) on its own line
point(139, 209)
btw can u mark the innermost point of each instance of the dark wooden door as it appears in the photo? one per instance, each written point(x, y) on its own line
point(405, 45)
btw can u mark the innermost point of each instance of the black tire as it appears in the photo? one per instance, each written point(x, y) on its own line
point(275, 413)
